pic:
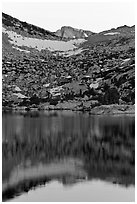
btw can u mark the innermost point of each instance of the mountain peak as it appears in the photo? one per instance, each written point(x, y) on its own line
point(71, 33)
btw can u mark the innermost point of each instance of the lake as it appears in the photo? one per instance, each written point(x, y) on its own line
point(67, 156)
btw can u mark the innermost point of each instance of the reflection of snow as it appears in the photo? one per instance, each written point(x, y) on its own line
point(68, 166)
point(112, 33)
point(39, 44)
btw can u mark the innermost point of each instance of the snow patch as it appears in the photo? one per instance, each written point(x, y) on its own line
point(85, 35)
point(39, 44)
point(21, 49)
point(112, 33)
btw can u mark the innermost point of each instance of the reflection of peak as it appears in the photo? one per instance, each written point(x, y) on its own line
point(71, 180)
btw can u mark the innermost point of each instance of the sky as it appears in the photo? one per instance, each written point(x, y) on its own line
point(90, 15)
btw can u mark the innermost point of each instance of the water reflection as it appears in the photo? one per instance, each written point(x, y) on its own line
point(89, 191)
point(41, 147)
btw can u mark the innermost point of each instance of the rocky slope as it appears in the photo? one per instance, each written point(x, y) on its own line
point(41, 69)
point(26, 29)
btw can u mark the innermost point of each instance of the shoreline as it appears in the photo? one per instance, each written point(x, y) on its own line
point(113, 109)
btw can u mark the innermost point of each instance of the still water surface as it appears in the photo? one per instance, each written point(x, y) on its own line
point(85, 191)
point(64, 156)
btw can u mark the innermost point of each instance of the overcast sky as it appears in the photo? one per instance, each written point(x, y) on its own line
point(95, 16)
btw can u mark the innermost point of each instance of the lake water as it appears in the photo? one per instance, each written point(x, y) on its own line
point(67, 156)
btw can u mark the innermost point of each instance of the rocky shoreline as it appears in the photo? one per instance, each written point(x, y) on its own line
point(70, 106)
